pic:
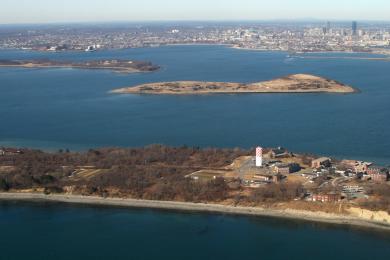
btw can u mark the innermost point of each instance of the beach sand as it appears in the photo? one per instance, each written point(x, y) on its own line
point(353, 219)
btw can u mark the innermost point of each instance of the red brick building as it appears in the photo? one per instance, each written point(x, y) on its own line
point(378, 174)
point(328, 197)
point(286, 169)
point(321, 162)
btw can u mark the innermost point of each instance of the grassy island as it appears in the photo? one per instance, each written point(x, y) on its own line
point(298, 83)
point(125, 66)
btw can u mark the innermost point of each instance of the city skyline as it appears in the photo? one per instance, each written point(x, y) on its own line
point(60, 11)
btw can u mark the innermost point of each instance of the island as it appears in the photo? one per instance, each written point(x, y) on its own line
point(259, 181)
point(297, 83)
point(124, 66)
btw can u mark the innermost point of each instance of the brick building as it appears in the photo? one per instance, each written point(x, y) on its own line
point(285, 169)
point(378, 174)
point(326, 197)
point(321, 162)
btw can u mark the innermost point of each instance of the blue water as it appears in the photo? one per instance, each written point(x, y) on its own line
point(69, 108)
point(49, 231)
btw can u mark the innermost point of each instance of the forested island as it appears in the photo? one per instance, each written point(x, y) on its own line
point(297, 83)
point(125, 66)
point(210, 179)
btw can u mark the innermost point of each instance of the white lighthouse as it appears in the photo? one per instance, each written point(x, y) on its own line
point(259, 157)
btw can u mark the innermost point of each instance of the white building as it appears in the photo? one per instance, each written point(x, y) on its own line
point(259, 157)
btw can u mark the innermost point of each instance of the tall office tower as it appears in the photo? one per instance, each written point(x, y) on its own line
point(354, 28)
point(328, 27)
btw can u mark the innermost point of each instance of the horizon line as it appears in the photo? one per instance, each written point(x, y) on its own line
point(300, 20)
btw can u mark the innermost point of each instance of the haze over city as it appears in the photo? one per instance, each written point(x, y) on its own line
point(64, 11)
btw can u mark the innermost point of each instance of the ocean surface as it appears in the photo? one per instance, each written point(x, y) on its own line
point(71, 108)
point(59, 231)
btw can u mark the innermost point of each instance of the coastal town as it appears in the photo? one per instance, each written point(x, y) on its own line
point(323, 179)
point(293, 37)
point(260, 177)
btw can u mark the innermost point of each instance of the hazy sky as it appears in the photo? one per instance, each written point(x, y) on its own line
point(42, 11)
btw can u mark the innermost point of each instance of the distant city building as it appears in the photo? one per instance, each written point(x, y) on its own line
point(92, 48)
point(328, 27)
point(354, 28)
point(275, 37)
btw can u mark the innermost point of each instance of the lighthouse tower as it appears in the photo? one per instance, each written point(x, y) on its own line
point(259, 157)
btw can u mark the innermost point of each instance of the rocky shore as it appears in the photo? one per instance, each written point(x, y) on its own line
point(366, 219)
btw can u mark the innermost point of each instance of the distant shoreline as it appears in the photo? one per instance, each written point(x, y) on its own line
point(342, 58)
point(228, 45)
point(320, 217)
point(70, 67)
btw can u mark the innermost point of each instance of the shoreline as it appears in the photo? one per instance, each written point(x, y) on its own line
point(354, 91)
point(113, 69)
point(342, 58)
point(319, 217)
point(227, 45)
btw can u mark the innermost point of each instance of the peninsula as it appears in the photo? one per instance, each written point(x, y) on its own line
point(125, 66)
point(297, 83)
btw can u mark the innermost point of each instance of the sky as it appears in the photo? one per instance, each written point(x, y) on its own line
point(58, 11)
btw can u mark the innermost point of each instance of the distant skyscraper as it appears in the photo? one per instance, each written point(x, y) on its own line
point(327, 28)
point(354, 28)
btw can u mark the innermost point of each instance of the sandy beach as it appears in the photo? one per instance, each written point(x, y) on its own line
point(352, 220)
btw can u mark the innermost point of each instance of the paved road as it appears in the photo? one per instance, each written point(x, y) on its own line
point(337, 181)
point(246, 166)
